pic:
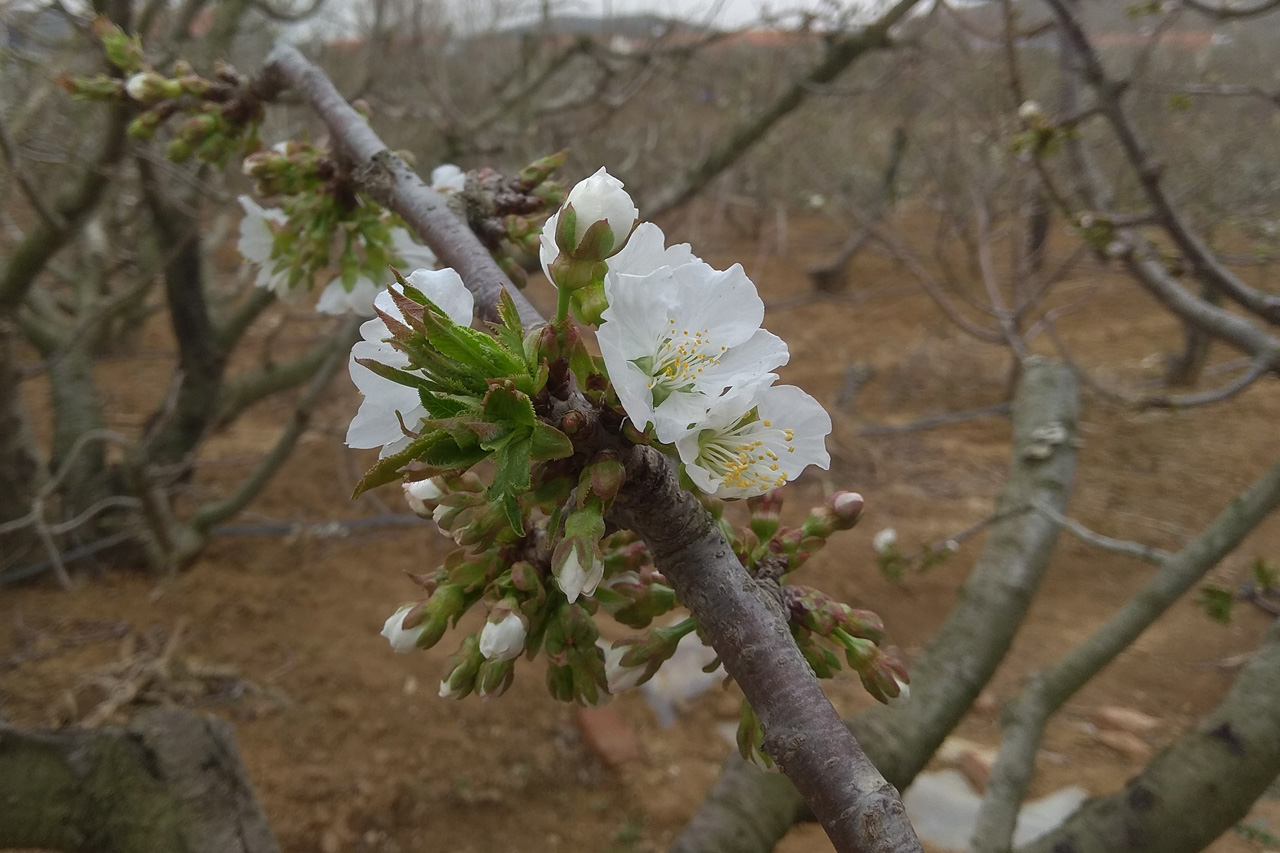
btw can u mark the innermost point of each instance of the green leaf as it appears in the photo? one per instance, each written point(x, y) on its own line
point(549, 443)
point(513, 462)
point(506, 405)
point(1217, 603)
point(445, 406)
point(514, 516)
point(395, 374)
point(387, 469)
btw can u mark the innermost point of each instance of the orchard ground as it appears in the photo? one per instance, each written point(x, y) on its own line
point(350, 748)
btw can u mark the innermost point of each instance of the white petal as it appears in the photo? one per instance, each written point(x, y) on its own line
point(445, 288)
point(448, 178)
point(413, 254)
point(646, 251)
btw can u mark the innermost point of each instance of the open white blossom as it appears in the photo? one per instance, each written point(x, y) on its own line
point(257, 240)
point(574, 579)
point(503, 640)
point(337, 299)
point(748, 447)
point(375, 424)
point(402, 639)
point(678, 338)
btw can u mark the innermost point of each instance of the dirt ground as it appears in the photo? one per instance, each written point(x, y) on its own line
point(349, 746)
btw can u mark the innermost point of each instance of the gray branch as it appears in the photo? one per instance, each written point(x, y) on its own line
point(748, 811)
point(1046, 692)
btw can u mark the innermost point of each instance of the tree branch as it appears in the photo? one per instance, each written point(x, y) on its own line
point(1200, 257)
point(803, 733)
point(748, 810)
point(1199, 786)
point(1046, 692)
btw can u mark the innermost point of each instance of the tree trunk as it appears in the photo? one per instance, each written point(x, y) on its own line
point(1198, 787)
point(21, 471)
point(170, 782)
point(77, 409)
point(748, 810)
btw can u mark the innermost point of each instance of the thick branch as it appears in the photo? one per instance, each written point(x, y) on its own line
point(242, 391)
point(840, 54)
point(1048, 691)
point(67, 214)
point(747, 627)
point(172, 780)
point(748, 811)
point(803, 733)
point(1196, 788)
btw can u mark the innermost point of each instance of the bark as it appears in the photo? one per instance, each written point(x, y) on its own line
point(744, 623)
point(170, 781)
point(1198, 787)
point(77, 409)
point(21, 470)
point(201, 359)
point(1046, 692)
point(963, 655)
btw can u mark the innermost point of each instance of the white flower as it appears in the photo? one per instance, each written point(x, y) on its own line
point(750, 446)
point(574, 580)
point(418, 492)
point(1030, 112)
point(621, 677)
point(336, 299)
point(412, 254)
point(885, 541)
point(375, 424)
point(503, 640)
point(257, 240)
point(448, 692)
point(138, 85)
point(402, 639)
point(678, 338)
point(598, 198)
point(448, 178)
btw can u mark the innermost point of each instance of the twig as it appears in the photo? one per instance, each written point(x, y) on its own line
point(934, 421)
point(1137, 550)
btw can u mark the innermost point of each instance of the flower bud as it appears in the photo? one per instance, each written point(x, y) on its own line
point(494, 677)
point(597, 199)
point(504, 634)
point(766, 513)
point(404, 638)
point(421, 496)
point(461, 668)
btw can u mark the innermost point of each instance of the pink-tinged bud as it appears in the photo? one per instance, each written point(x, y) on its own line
point(607, 474)
point(573, 423)
point(847, 507)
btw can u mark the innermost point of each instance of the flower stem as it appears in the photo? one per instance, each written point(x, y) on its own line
point(562, 304)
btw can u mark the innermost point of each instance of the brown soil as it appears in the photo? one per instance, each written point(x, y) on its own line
point(348, 744)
